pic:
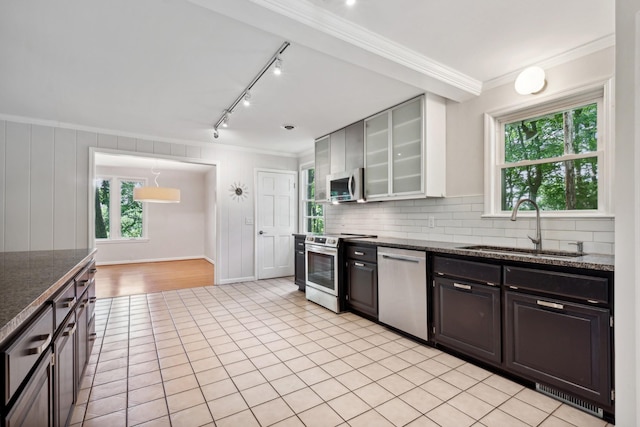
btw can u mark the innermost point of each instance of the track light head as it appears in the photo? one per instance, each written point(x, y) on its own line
point(215, 133)
point(247, 99)
point(277, 68)
point(225, 121)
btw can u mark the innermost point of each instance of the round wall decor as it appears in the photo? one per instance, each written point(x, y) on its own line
point(238, 191)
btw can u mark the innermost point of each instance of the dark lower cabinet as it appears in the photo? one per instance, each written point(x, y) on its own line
point(300, 263)
point(64, 348)
point(362, 287)
point(82, 335)
point(466, 317)
point(34, 407)
point(561, 344)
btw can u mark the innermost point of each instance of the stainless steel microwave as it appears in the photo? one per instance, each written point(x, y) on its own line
point(346, 186)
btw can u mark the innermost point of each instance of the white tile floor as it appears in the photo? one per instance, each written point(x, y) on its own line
point(260, 354)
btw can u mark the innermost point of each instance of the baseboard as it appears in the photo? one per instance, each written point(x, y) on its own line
point(139, 261)
point(237, 280)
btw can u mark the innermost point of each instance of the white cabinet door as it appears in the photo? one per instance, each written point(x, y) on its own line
point(377, 155)
point(322, 166)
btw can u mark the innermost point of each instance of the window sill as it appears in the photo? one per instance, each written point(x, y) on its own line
point(120, 241)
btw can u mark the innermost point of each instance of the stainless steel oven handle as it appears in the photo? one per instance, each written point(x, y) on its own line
point(321, 250)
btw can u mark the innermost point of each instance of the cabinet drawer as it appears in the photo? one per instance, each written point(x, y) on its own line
point(299, 244)
point(562, 344)
point(23, 351)
point(467, 317)
point(593, 289)
point(63, 303)
point(364, 253)
point(468, 270)
point(85, 278)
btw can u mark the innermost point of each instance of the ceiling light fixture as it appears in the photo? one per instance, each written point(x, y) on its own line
point(350, 2)
point(156, 194)
point(245, 96)
point(277, 68)
point(530, 81)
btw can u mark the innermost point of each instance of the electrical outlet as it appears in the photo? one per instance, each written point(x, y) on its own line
point(432, 222)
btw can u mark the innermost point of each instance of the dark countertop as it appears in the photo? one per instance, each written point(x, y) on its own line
point(589, 261)
point(29, 279)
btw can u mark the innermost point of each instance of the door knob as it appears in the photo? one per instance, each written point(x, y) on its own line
point(260, 232)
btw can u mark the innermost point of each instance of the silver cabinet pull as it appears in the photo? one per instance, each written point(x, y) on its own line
point(550, 305)
point(72, 330)
point(358, 253)
point(93, 336)
point(358, 264)
point(83, 283)
point(46, 340)
point(70, 302)
point(92, 300)
point(461, 286)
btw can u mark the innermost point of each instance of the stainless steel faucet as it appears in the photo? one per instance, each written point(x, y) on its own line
point(537, 241)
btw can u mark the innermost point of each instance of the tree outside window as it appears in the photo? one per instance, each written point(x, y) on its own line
point(552, 159)
point(313, 213)
point(118, 217)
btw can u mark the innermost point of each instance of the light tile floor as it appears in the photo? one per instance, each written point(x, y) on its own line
point(260, 354)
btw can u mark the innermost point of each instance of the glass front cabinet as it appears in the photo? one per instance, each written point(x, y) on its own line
point(405, 150)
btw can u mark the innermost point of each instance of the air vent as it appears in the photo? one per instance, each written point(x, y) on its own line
point(570, 400)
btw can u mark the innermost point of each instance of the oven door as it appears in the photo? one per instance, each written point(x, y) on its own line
point(322, 268)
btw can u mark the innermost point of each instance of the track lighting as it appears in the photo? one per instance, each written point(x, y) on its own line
point(277, 68)
point(245, 96)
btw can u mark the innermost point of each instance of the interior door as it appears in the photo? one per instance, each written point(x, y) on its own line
point(276, 219)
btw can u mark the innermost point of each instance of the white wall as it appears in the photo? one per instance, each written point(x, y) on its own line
point(44, 189)
point(458, 216)
point(627, 202)
point(210, 214)
point(174, 230)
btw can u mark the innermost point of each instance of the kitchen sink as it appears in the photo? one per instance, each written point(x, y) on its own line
point(519, 251)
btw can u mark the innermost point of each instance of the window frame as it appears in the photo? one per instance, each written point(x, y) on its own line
point(599, 93)
point(115, 226)
point(303, 199)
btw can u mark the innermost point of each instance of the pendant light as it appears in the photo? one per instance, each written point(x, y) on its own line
point(156, 194)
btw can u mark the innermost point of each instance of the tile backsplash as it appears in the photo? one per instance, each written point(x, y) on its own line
point(459, 219)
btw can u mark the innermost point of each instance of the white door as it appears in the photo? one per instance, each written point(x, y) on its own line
point(276, 219)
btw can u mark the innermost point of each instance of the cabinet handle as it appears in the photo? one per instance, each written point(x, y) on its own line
point(301, 252)
point(39, 349)
point(70, 302)
point(358, 264)
point(93, 271)
point(93, 336)
point(358, 253)
point(550, 305)
point(72, 330)
point(399, 258)
point(92, 300)
point(460, 286)
point(83, 283)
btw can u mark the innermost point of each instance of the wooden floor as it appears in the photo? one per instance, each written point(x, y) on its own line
point(133, 279)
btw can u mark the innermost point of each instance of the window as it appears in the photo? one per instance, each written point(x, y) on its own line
point(553, 154)
point(313, 213)
point(118, 217)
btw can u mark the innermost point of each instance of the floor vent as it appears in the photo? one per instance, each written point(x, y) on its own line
point(570, 400)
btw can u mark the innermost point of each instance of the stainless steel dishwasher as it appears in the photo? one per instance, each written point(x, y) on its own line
point(402, 290)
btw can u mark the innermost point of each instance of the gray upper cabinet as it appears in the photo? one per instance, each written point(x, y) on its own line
point(405, 150)
point(342, 150)
point(322, 168)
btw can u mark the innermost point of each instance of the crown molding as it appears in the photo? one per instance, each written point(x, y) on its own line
point(333, 25)
point(570, 55)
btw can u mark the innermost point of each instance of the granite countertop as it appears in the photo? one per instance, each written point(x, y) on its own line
point(29, 279)
point(589, 261)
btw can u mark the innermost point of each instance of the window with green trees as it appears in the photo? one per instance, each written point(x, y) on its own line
point(118, 217)
point(313, 213)
point(552, 158)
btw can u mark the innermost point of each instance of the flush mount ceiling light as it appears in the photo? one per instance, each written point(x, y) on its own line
point(245, 96)
point(350, 2)
point(530, 81)
point(156, 194)
point(288, 127)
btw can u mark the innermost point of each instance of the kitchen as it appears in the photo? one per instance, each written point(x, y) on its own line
point(63, 221)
